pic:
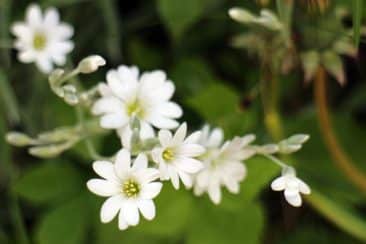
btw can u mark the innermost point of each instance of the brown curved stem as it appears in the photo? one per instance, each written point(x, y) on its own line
point(340, 157)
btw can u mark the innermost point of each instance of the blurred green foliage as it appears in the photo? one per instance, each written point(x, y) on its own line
point(216, 84)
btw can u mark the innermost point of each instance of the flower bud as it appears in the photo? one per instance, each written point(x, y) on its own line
point(241, 15)
point(18, 139)
point(91, 64)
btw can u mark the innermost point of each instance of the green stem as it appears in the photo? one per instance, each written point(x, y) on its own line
point(10, 102)
point(88, 143)
point(5, 6)
point(276, 160)
point(336, 214)
point(8, 168)
point(113, 28)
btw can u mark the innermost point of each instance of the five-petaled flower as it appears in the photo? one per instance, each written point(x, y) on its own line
point(129, 188)
point(291, 185)
point(128, 95)
point(176, 156)
point(43, 40)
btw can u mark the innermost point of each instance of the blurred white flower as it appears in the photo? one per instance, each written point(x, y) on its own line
point(176, 156)
point(292, 186)
point(91, 64)
point(223, 164)
point(42, 39)
point(128, 95)
point(130, 189)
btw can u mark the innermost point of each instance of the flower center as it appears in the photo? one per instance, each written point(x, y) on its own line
point(39, 41)
point(130, 188)
point(168, 154)
point(134, 108)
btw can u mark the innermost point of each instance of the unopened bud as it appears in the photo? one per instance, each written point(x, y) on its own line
point(91, 64)
point(18, 139)
point(241, 15)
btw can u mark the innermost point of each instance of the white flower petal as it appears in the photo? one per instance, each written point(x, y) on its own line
point(34, 15)
point(122, 224)
point(140, 162)
point(186, 179)
point(303, 187)
point(151, 190)
point(191, 150)
point(44, 65)
point(293, 198)
point(170, 109)
point(107, 105)
point(130, 212)
point(174, 178)
point(113, 121)
point(105, 169)
point(180, 134)
point(147, 209)
point(51, 17)
point(216, 138)
point(27, 56)
point(123, 163)
point(193, 138)
point(279, 184)
point(188, 165)
point(162, 122)
point(165, 137)
point(147, 175)
point(110, 208)
point(214, 192)
point(103, 188)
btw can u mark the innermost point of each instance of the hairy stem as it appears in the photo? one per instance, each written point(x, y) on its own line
point(340, 157)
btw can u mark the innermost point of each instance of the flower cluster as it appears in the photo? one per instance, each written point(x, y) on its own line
point(155, 147)
point(138, 107)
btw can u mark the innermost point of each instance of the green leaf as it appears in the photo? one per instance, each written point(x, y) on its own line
point(357, 19)
point(219, 105)
point(49, 183)
point(109, 233)
point(66, 224)
point(170, 205)
point(179, 15)
point(210, 225)
point(191, 76)
point(143, 55)
point(321, 233)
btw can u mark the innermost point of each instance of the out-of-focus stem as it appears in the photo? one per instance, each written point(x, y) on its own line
point(10, 102)
point(340, 158)
point(113, 28)
point(15, 212)
point(324, 206)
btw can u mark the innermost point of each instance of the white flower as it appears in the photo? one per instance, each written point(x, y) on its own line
point(176, 156)
point(130, 189)
point(146, 97)
point(91, 64)
point(292, 186)
point(42, 39)
point(223, 163)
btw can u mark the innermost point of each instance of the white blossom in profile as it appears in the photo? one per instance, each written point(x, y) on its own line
point(176, 156)
point(130, 189)
point(292, 186)
point(42, 39)
point(223, 166)
point(129, 95)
